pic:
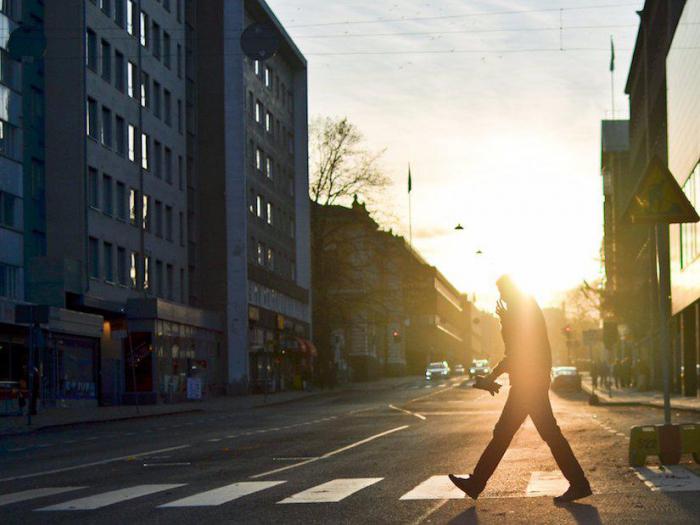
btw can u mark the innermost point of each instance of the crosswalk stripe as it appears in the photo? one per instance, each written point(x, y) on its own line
point(110, 498)
point(435, 487)
point(223, 495)
point(331, 492)
point(669, 478)
point(16, 497)
point(551, 483)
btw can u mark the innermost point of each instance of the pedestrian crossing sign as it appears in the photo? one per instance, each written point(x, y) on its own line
point(659, 199)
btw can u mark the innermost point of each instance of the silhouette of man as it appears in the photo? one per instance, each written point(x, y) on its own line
point(528, 362)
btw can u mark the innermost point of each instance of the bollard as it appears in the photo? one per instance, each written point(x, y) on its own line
point(668, 442)
point(644, 442)
point(690, 440)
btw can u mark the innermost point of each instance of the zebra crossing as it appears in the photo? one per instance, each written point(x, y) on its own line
point(436, 487)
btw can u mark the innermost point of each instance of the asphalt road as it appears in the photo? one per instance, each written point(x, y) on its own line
point(362, 456)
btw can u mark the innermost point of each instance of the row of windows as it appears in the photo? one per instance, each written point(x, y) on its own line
point(9, 281)
point(154, 156)
point(114, 200)
point(273, 83)
point(9, 145)
point(129, 18)
point(690, 241)
point(269, 258)
point(9, 210)
point(123, 266)
point(275, 217)
point(270, 124)
point(266, 166)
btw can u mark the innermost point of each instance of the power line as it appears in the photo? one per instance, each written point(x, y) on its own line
point(465, 15)
point(466, 51)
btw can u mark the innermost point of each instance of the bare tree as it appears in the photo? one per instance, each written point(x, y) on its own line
point(340, 166)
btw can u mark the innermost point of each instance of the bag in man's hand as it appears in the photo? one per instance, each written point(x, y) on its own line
point(489, 385)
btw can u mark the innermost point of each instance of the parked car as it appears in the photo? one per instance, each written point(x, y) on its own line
point(480, 367)
point(437, 370)
point(565, 378)
point(459, 370)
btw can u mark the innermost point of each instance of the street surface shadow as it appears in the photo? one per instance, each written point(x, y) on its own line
point(583, 513)
point(468, 517)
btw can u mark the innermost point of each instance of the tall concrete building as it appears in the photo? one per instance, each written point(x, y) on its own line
point(251, 177)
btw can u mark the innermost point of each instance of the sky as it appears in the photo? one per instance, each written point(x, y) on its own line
point(497, 106)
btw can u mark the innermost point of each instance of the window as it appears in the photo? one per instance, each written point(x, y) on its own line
point(91, 49)
point(181, 224)
point(178, 9)
point(94, 258)
point(7, 139)
point(145, 90)
point(251, 201)
point(106, 6)
point(169, 223)
point(259, 159)
point(133, 270)
point(268, 167)
point(179, 61)
point(159, 218)
point(92, 118)
point(270, 259)
point(146, 273)
point(155, 35)
point(93, 191)
point(119, 72)
point(121, 201)
point(258, 112)
point(144, 151)
point(106, 129)
point(169, 281)
point(108, 255)
point(131, 80)
point(132, 143)
point(179, 116)
point(119, 12)
point(166, 5)
point(268, 122)
point(144, 30)
point(168, 165)
point(182, 285)
point(259, 206)
point(120, 130)
point(159, 278)
point(157, 159)
point(156, 99)
point(167, 109)
point(146, 211)
point(107, 206)
point(8, 205)
point(7, 69)
point(9, 286)
point(269, 213)
point(121, 266)
point(106, 61)
point(261, 254)
point(180, 173)
point(256, 67)
point(268, 77)
point(166, 49)
point(132, 21)
point(133, 206)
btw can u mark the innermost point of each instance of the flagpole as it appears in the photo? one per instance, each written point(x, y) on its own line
point(410, 215)
point(612, 76)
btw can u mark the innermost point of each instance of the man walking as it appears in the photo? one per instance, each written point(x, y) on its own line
point(528, 361)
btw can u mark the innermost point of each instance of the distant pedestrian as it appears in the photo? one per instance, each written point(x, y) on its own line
point(616, 372)
point(528, 362)
point(594, 373)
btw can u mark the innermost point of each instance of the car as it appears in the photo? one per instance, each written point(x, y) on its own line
point(459, 370)
point(565, 378)
point(480, 367)
point(437, 370)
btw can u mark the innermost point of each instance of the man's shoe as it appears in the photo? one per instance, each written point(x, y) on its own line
point(574, 493)
point(466, 485)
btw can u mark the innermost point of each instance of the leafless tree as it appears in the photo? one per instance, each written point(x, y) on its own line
point(341, 167)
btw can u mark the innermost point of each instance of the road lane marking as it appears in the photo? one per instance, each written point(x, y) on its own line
point(215, 497)
point(414, 414)
point(26, 495)
point(92, 464)
point(551, 483)
point(215, 440)
point(330, 454)
point(669, 478)
point(331, 492)
point(110, 498)
point(435, 487)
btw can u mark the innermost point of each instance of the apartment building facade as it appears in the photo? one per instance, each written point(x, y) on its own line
point(253, 222)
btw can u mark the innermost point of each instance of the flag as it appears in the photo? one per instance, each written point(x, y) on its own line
point(612, 55)
point(410, 184)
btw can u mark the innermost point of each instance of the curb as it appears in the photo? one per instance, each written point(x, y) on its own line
point(654, 404)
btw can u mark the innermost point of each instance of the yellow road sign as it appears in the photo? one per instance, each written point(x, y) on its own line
point(659, 199)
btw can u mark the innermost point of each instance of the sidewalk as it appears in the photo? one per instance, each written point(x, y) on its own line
point(631, 396)
point(58, 417)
